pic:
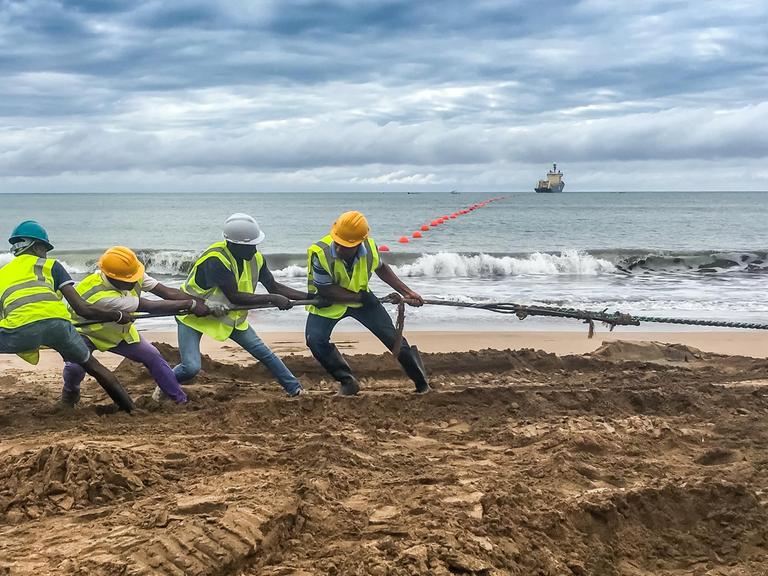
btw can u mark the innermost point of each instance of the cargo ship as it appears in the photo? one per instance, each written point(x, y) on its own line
point(553, 183)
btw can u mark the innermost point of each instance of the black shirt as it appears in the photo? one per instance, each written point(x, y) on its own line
point(60, 276)
point(213, 273)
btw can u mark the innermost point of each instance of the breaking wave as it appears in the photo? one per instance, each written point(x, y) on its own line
point(178, 263)
point(703, 261)
point(447, 264)
point(6, 257)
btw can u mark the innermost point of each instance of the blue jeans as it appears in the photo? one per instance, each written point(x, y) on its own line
point(189, 350)
point(54, 333)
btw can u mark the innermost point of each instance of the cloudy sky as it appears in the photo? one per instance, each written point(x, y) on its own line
point(237, 95)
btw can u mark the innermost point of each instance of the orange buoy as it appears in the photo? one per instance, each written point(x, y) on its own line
point(403, 240)
point(425, 228)
point(435, 223)
point(416, 234)
point(383, 248)
point(453, 216)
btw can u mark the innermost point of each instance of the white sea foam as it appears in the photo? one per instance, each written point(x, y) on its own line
point(292, 271)
point(178, 263)
point(450, 265)
point(71, 268)
point(7, 257)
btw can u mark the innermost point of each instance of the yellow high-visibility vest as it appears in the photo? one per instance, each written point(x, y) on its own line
point(222, 328)
point(106, 335)
point(27, 295)
point(356, 281)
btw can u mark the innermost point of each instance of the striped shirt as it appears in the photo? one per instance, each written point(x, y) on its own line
point(321, 277)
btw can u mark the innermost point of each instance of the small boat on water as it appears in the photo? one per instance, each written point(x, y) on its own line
point(553, 183)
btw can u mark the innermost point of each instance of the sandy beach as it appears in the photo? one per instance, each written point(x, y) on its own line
point(518, 166)
point(638, 458)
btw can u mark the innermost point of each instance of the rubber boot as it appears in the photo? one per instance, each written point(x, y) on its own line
point(338, 367)
point(349, 386)
point(410, 360)
point(69, 399)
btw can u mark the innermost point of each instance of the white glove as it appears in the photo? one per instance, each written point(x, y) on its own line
point(218, 309)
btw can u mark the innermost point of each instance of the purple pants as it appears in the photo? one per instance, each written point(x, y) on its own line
point(142, 352)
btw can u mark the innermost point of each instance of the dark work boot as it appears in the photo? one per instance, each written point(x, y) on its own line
point(69, 399)
point(410, 360)
point(422, 387)
point(335, 364)
point(349, 386)
point(337, 367)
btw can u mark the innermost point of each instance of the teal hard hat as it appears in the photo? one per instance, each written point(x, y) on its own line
point(29, 229)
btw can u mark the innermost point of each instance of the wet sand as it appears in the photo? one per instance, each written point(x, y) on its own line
point(639, 459)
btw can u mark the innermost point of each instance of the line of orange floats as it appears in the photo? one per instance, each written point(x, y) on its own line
point(441, 220)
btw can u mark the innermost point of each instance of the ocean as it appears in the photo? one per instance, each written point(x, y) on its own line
point(682, 254)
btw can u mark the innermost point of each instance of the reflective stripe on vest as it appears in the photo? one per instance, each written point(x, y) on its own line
point(357, 281)
point(107, 335)
point(38, 282)
point(27, 293)
point(222, 328)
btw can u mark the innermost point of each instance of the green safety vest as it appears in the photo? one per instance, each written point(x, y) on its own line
point(107, 335)
point(356, 282)
point(27, 295)
point(222, 328)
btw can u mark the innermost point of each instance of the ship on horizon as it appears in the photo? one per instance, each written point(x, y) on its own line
point(553, 183)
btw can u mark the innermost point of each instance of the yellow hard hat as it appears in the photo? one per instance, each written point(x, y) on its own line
point(350, 229)
point(121, 263)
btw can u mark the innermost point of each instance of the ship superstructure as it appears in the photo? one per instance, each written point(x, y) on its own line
point(553, 183)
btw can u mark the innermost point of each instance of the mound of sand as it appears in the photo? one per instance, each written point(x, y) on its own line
point(62, 477)
point(657, 352)
point(371, 365)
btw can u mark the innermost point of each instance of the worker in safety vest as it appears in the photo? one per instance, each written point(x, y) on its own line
point(339, 268)
point(33, 315)
point(118, 285)
point(226, 275)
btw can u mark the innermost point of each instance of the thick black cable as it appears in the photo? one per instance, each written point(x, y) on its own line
point(612, 319)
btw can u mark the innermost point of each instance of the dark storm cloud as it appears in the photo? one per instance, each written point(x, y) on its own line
point(101, 86)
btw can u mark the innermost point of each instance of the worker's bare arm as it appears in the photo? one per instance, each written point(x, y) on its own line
point(275, 287)
point(337, 294)
point(388, 275)
point(168, 293)
point(92, 311)
point(163, 306)
point(230, 290)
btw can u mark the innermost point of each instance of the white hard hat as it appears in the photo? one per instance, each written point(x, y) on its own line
point(243, 229)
